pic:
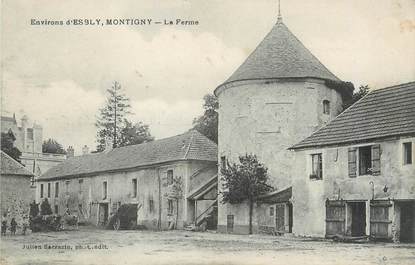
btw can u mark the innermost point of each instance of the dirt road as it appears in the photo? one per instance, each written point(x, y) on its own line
point(93, 246)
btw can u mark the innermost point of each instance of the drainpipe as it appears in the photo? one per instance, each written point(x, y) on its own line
point(159, 188)
point(373, 189)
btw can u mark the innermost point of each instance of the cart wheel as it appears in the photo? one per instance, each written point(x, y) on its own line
point(117, 224)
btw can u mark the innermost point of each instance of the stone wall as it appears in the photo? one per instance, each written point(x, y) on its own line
point(16, 195)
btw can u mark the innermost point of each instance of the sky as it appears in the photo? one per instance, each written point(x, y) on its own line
point(58, 75)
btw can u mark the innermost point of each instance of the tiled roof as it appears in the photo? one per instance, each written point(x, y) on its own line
point(281, 55)
point(9, 166)
point(188, 146)
point(381, 113)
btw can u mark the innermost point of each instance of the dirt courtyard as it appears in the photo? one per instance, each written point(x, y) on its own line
point(94, 246)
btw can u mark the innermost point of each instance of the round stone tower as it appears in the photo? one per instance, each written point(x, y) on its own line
point(276, 98)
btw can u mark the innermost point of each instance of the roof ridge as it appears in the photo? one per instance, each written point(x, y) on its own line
point(395, 86)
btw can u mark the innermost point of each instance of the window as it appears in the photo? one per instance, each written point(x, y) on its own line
point(316, 166)
point(326, 107)
point(48, 190)
point(223, 162)
point(30, 133)
point(104, 190)
point(67, 186)
point(169, 206)
point(365, 160)
point(407, 153)
point(151, 205)
point(169, 177)
point(56, 209)
point(271, 211)
point(56, 189)
point(41, 190)
point(134, 182)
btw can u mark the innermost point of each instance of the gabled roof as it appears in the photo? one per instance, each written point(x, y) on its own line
point(281, 55)
point(381, 113)
point(191, 145)
point(9, 166)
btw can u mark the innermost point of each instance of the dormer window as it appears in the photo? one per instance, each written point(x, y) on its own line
point(326, 107)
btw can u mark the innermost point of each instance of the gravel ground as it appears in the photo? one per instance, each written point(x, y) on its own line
point(94, 246)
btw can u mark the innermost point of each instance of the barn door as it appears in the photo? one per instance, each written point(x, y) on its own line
point(280, 217)
point(335, 218)
point(379, 219)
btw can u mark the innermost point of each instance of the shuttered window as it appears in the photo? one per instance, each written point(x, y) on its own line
point(352, 162)
point(366, 159)
point(376, 159)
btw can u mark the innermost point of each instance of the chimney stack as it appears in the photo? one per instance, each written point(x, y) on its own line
point(85, 150)
point(70, 152)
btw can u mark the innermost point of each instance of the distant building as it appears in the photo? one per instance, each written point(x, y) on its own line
point(29, 140)
point(16, 189)
point(276, 98)
point(93, 186)
point(356, 175)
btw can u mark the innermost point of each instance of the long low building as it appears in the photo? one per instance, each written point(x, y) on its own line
point(356, 175)
point(167, 180)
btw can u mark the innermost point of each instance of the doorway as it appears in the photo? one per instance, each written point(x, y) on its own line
point(103, 214)
point(407, 222)
point(358, 218)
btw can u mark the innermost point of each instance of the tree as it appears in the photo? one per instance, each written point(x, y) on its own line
point(357, 95)
point(134, 133)
point(112, 117)
point(7, 145)
point(245, 181)
point(207, 124)
point(53, 147)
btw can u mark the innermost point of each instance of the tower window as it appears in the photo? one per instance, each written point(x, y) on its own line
point(326, 107)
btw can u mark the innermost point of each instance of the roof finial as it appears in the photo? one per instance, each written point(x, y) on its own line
point(279, 19)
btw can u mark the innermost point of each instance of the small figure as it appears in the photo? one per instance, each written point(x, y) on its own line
point(34, 209)
point(25, 224)
point(13, 225)
point(4, 224)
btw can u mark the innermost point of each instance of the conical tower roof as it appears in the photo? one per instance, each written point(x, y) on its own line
point(281, 55)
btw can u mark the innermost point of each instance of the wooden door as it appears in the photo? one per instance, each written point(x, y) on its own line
point(280, 217)
point(379, 219)
point(335, 218)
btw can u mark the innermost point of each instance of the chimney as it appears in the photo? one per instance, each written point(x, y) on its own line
point(24, 121)
point(70, 152)
point(85, 150)
point(108, 145)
